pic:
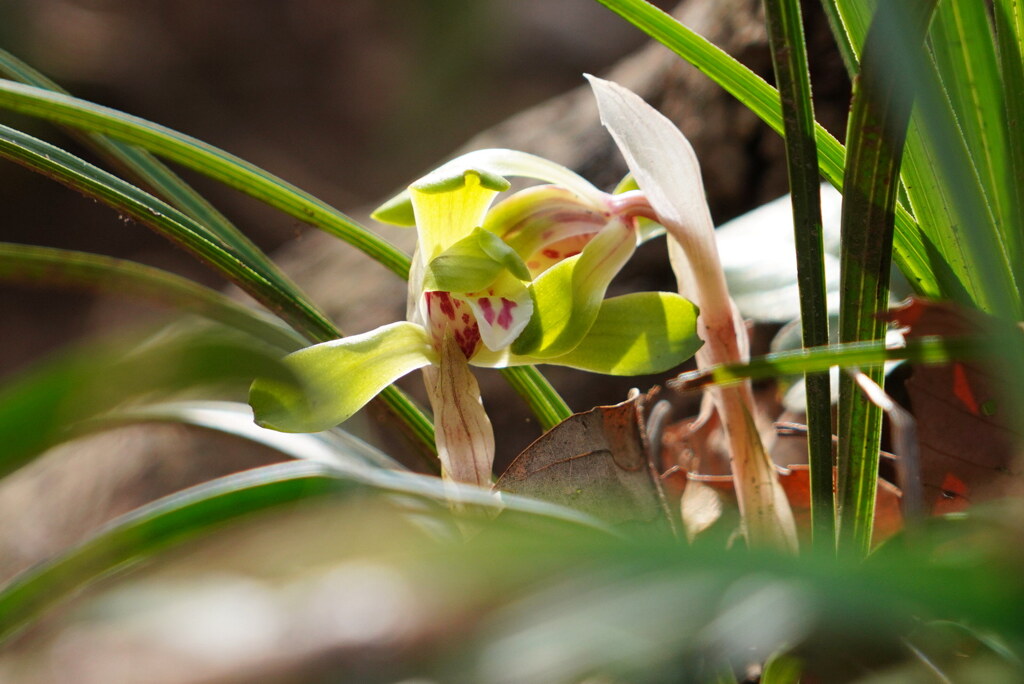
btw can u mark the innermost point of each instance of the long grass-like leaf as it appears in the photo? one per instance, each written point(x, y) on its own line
point(44, 405)
point(1009, 24)
point(148, 530)
point(198, 511)
point(928, 349)
point(130, 200)
point(880, 113)
point(789, 57)
point(763, 100)
point(206, 159)
point(963, 43)
point(50, 267)
point(545, 402)
point(150, 172)
point(942, 184)
point(76, 173)
point(335, 448)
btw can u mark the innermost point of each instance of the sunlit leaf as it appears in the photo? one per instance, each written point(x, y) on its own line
point(44, 405)
point(50, 267)
point(338, 378)
point(637, 334)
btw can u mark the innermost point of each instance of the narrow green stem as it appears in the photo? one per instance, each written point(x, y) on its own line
point(543, 399)
point(882, 99)
point(789, 57)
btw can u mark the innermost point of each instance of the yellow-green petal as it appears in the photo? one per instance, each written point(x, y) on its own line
point(339, 377)
point(637, 334)
point(473, 263)
point(448, 212)
point(499, 163)
point(567, 296)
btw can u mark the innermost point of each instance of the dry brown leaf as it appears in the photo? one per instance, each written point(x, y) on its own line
point(969, 447)
point(595, 462)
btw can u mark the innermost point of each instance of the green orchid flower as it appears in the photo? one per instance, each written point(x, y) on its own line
point(523, 282)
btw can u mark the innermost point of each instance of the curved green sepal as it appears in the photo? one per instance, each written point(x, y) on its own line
point(567, 296)
point(473, 263)
point(437, 183)
point(339, 378)
point(493, 162)
point(397, 211)
point(637, 334)
point(500, 251)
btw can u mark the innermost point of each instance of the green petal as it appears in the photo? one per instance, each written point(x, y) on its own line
point(493, 163)
point(339, 378)
point(473, 263)
point(546, 224)
point(567, 297)
point(637, 334)
point(446, 212)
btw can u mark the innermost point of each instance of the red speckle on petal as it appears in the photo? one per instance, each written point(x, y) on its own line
point(447, 307)
point(447, 314)
point(487, 309)
point(505, 317)
point(551, 253)
point(468, 340)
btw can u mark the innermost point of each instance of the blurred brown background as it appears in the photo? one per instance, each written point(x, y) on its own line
point(347, 99)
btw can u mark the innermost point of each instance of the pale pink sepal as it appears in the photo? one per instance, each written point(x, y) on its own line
point(464, 437)
point(666, 169)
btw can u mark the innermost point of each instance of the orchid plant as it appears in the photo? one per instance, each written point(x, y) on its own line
point(525, 282)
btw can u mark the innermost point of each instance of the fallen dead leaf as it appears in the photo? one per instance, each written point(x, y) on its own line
point(595, 462)
point(969, 442)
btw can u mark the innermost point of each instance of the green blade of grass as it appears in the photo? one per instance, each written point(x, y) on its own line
point(789, 57)
point(50, 267)
point(150, 172)
point(206, 159)
point(928, 349)
point(148, 530)
point(943, 188)
point(1009, 20)
point(545, 402)
point(72, 171)
point(203, 509)
point(43, 405)
point(763, 100)
point(963, 43)
point(130, 200)
point(841, 34)
point(880, 113)
point(335, 448)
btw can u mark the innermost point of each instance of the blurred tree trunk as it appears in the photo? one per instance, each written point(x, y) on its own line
point(91, 481)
